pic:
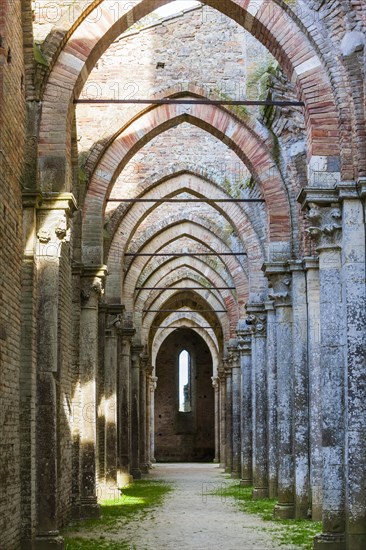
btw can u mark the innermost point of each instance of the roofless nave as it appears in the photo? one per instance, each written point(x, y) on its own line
point(182, 279)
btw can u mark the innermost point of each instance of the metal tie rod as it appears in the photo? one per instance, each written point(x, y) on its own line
point(185, 200)
point(180, 311)
point(166, 328)
point(285, 103)
point(187, 288)
point(180, 254)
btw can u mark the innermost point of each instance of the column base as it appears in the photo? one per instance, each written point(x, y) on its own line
point(145, 468)
point(331, 541)
point(235, 475)
point(222, 465)
point(49, 542)
point(246, 482)
point(216, 461)
point(284, 511)
point(228, 470)
point(123, 479)
point(89, 509)
point(303, 512)
point(260, 492)
point(136, 474)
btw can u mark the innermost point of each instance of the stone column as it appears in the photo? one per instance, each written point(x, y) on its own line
point(222, 392)
point(92, 288)
point(52, 230)
point(354, 288)
point(272, 401)
point(257, 320)
point(136, 352)
point(144, 467)
point(325, 216)
point(215, 384)
point(311, 265)
point(301, 390)
point(280, 281)
point(153, 386)
point(123, 413)
point(245, 350)
point(228, 416)
point(113, 332)
point(236, 408)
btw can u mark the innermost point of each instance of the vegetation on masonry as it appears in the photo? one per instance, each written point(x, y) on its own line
point(135, 501)
point(297, 532)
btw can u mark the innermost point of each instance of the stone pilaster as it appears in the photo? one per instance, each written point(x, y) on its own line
point(152, 385)
point(124, 407)
point(222, 392)
point(257, 319)
point(325, 217)
point(245, 350)
point(272, 400)
point(215, 384)
point(112, 335)
point(280, 293)
point(234, 359)
point(311, 265)
point(136, 352)
point(144, 467)
point(92, 290)
point(301, 390)
point(353, 199)
point(53, 217)
point(228, 415)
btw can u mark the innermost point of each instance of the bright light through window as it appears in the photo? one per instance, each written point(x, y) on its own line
point(176, 7)
point(184, 382)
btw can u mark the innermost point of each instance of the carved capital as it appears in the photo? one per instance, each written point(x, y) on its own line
point(92, 288)
point(279, 282)
point(215, 382)
point(325, 225)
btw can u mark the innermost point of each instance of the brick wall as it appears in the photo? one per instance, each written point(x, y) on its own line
point(11, 158)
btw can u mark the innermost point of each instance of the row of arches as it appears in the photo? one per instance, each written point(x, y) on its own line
point(259, 277)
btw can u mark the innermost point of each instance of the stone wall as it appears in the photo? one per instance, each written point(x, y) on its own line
point(184, 436)
point(11, 161)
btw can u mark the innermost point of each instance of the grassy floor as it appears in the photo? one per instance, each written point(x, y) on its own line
point(296, 532)
point(136, 500)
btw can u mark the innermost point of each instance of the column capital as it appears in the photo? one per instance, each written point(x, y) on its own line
point(317, 195)
point(136, 355)
point(32, 199)
point(215, 381)
point(279, 277)
point(311, 262)
point(244, 333)
point(92, 282)
point(296, 265)
point(347, 190)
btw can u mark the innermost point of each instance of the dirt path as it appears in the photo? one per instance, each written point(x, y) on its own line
point(192, 519)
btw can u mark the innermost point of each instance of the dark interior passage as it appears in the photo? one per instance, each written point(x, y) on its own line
point(184, 435)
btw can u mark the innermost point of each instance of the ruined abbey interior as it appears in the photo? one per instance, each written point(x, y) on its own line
point(182, 279)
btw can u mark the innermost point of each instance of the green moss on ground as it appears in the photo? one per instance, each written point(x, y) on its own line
point(135, 501)
point(297, 532)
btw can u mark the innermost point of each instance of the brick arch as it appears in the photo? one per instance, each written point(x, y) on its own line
point(193, 91)
point(212, 343)
point(264, 20)
point(198, 187)
point(216, 121)
point(180, 280)
point(167, 297)
point(191, 303)
point(168, 235)
point(192, 266)
point(177, 274)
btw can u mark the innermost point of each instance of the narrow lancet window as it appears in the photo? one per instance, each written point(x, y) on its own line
point(185, 382)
